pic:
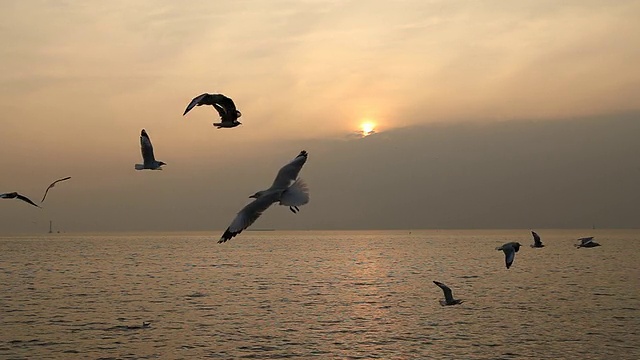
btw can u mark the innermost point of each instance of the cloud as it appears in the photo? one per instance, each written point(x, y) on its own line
point(569, 173)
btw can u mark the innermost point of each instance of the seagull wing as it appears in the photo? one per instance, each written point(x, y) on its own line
point(221, 111)
point(147, 148)
point(10, 195)
point(225, 102)
point(196, 100)
point(52, 185)
point(220, 102)
point(509, 256)
point(248, 215)
point(536, 238)
point(448, 295)
point(27, 200)
point(296, 195)
point(289, 173)
point(586, 240)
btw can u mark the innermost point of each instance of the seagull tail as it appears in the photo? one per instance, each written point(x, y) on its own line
point(296, 195)
point(139, 166)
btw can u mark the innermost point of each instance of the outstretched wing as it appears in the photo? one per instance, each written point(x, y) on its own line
point(221, 103)
point(586, 240)
point(536, 238)
point(509, 256)
point(52, 185)
point(289, 173)
point(248, 215)
point(296, 195)
point(27, 200)
point(9, 195)
point(146, 148)
point(196, 100)
point(226, 102)
point(448, 295)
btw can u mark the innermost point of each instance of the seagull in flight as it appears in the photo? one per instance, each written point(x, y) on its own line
point(510, 249)
point(150, 161)
point(52, 185)
point(587, 242)
point(15, 195)
point(287, 189)
point(537, 243)
point(224, 105)
point(448, 295)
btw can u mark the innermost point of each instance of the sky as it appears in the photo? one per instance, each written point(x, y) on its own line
point(455, 90)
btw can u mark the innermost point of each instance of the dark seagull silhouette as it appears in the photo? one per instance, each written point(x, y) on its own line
point(224, 105)
point(510, 249)
point(448, 295)
point(287, 189)
point(15, 195)
point(587, 242)
point(52, 185)
point(537, 243)
point(150, 162)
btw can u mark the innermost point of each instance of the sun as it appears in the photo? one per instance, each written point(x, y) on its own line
point(367, 128)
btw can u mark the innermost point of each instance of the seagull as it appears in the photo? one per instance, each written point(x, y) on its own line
point(150, 161)
point(510, 249)
point(285, 176)
point(287, 189)
point(224, 105)
point(536, 240)
point(587, 242)
point(15, 195)
point(52, 185)
point(448, 295)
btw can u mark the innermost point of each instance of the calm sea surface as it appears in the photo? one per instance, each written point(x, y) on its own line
point(324, 295)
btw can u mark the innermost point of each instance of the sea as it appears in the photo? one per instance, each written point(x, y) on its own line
point(319, 295)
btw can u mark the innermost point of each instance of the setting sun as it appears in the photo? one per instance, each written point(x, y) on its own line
point(367, 128)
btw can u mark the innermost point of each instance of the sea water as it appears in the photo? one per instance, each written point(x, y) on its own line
point(319, 294)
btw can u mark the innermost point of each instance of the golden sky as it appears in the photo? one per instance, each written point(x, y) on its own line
point(80, 79)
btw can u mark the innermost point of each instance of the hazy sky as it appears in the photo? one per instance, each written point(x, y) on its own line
point(80, 79)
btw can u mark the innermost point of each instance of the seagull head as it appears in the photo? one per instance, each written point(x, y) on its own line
point(256, 195)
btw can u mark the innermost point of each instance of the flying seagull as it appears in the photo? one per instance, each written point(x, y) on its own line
point(587, 242)
point(224, 105)
point(150, 161)
point(537, 243)
point(15, 195)
point(448, 295)
point(287, 189)
point(510, 249)
point(286, 175)
point(52, 185)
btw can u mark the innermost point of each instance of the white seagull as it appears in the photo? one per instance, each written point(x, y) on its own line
point(587, 242)
point(225, 106)
point(287, 189)
point(448, 295)
point(149, 159)
point(52, 185)
point(15, 195)
point(537, 243)
point(510, 249)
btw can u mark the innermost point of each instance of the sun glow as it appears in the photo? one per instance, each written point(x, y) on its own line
point(367, 128)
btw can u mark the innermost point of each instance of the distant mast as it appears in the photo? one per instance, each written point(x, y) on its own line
point(50, 227)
